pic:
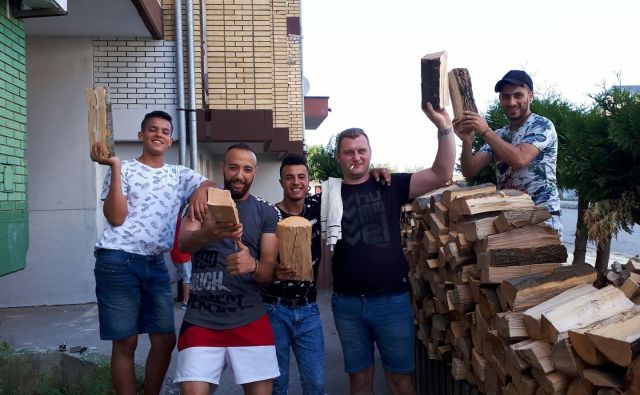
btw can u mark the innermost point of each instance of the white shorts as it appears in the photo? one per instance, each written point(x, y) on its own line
point(249, 351)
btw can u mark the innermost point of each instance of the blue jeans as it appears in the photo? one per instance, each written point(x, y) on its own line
point(386, 320)
point(299, 329)
point(134, 294)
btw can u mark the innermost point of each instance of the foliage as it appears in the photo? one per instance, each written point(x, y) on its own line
point(322, 162)
point(385, 165)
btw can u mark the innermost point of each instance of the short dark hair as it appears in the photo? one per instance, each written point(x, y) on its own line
point(156, 114)
point(351, 133)
point(242, 146)
point(292, 160)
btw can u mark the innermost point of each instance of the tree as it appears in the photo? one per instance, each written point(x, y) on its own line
point(322, 162)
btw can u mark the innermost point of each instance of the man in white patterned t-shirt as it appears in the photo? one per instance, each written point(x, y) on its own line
point(142, 198)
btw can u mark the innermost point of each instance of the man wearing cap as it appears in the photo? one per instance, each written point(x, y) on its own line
point(525, 150)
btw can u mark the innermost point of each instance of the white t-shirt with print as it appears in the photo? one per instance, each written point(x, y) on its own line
point(154, 196)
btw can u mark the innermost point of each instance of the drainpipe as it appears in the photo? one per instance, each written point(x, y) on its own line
point(193, 137)
point(182, 129)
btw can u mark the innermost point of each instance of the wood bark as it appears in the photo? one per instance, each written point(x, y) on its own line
point(435, 88)
point(496, 275)
point(461, 92)
point(565, 358)
point(508, 220)
point(525, 256)
point(525, 292)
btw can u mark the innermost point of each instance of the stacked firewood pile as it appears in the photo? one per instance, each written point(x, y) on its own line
point(494, 298)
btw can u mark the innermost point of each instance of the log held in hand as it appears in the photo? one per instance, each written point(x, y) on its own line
point(99, 120)
point(221, 206)
point(294, 246)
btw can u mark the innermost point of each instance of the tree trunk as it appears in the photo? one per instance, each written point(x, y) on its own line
point(580, 250)
point(602, 261)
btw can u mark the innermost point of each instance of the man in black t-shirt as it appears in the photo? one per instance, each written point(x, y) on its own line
point(371, 302)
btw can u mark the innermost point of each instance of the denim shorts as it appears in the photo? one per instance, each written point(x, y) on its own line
point(386, 320)
point(134, 294)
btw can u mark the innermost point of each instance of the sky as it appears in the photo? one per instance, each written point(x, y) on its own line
point(365, 55)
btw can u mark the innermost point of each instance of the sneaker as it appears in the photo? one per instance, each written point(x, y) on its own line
point(183, 305)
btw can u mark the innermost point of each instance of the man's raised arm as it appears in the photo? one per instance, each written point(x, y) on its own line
point(441, 170)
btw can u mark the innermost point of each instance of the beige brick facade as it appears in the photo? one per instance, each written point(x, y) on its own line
point(252, 63)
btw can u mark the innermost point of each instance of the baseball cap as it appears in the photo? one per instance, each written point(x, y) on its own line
point(515, 77)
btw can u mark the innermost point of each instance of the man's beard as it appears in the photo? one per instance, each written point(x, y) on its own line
point(234, 193)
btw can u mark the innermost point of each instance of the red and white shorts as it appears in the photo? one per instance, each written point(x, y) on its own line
point(249, 351)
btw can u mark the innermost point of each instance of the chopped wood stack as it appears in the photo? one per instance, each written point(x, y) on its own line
point(494, 298)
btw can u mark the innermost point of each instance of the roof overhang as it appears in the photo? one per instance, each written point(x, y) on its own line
point(100, 18)
point(226, 127)
point(316, 109)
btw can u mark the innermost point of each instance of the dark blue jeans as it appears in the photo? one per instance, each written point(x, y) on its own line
point(134, 294)
point(299, 329)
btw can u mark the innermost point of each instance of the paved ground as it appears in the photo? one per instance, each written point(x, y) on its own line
point(77, 325)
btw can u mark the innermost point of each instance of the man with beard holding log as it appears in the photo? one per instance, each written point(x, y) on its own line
point(525, 151)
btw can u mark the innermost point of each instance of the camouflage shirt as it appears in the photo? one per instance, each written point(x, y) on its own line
point(539, 178)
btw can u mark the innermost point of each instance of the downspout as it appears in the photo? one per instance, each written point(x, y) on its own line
point(182, 129)
point(193, 135)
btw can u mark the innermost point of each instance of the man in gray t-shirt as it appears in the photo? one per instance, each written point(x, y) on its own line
point(226, 322)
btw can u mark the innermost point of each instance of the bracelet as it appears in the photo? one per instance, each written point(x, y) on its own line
point(255, 269)
point(485, 132)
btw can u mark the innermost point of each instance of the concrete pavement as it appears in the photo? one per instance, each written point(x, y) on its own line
point(46, 327)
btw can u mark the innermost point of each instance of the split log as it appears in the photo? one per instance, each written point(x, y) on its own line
point(583, 311)
point(633, 265)
point(580, 386)
point(538, 354)
point(523, 256)
point(221, 206)
point(506, 199)
point(618, 341)
point(508, 220)
point(479, 365)
point(511, 326)
point(632, 377)
point(461, 92)
point(525, 384)
point(584, 346)
point(435, 87)
point(525, 292)
point(527, 237)
point(605, 377)
point(533, 315)
point(565, 358)
point(478, 229)
point(496, 275)
point(449, 195)
point(551, 383)
point(458, 369)
point(631, 287)
point(442, 213)
point(437, 227)
point(100, 121)
point(430, 243)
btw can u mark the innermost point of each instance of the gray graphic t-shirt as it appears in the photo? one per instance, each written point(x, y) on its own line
point(218, 300)
point(539, 178)
point(154, 196)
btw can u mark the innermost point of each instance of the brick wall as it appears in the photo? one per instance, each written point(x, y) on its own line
point(252, 63)
point(139, 73)
point(14, 235)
